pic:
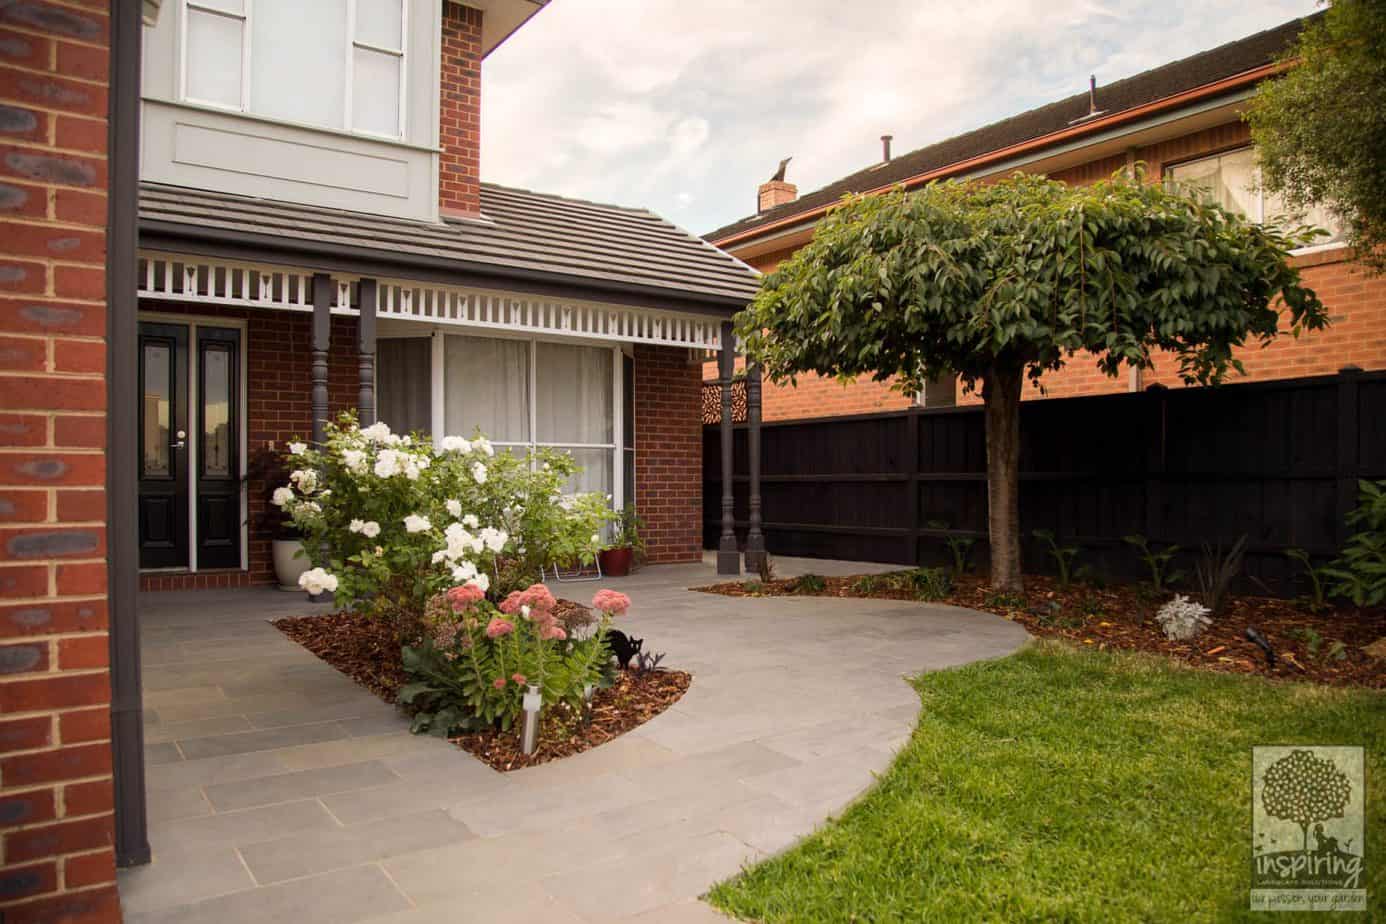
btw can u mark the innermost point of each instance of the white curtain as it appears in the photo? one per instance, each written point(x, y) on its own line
point(298, 61)
point(487, 384)
point(574, 400)
point(404, 390)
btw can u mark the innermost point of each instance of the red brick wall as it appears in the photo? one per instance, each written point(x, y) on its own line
point(669, 452)
point(56, 800)
point(1356, 302)
point(278, 358)
point(459, 174)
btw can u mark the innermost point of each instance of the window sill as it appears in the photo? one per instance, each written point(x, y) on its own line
point(289, 123)
point(1321, 254)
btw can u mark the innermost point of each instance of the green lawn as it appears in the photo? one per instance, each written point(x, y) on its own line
point(1062, 785)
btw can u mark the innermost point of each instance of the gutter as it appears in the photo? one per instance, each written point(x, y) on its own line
point(998, 157)
point(255, 246)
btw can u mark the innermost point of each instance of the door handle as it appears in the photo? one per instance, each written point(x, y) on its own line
point(182, 440)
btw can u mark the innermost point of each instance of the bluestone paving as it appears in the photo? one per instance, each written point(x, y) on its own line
point(286, 792)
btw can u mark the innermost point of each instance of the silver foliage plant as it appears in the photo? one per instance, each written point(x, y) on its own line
point(1182, 618)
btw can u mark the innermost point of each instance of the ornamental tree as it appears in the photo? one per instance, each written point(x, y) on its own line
point(1303, 789)
point(998, 282)
point(1318, 129)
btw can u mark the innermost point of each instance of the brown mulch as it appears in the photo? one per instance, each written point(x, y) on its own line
point(634, 699)
point(368, 652)
point(1122, 618)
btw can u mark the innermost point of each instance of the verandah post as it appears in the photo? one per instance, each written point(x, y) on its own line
point(728, 559)
point(755, 539)
point(322, 339)
point(365, 341)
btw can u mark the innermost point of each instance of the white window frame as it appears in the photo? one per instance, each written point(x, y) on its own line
point(246, 19)
point(1260, 197)
point(615, 448)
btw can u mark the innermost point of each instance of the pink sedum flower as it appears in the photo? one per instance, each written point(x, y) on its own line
point(498, 627)
point(465, 597)
point(537, 597)
point(552, 631)
point(498, 683)
point(519, 679)
point(511, 604)
point(611, 601)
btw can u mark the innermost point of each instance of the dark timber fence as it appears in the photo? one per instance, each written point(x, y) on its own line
point(1278, 461)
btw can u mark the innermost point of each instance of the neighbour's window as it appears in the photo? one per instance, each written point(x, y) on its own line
point(1233, 180)
point(334, 63)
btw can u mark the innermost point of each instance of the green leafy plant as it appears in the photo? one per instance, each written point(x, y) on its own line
point(1163, 575)
point(930, 583)
point(479, 680)
point(1063, 555)
point(1004, 600)
point(1314, 645)
point(809, 584)
point(868, 584)
point(960, 547)
point(389, 521)
point(997, 282)
point(1215, 571)
point(753, 587)
point(1359, 573)
point(1318, 577)
point(628, 525)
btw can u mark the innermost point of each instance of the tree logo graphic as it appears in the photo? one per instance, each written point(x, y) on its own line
point(1307, 828)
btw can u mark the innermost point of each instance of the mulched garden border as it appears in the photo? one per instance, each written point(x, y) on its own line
point(1122, 617)
point(368, 652)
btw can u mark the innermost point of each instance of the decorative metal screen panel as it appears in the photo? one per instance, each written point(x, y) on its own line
point(712, 402)
point(174, 277)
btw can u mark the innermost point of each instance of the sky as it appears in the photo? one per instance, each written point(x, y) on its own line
point(685, 106)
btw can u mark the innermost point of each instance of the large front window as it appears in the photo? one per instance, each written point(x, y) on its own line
point(330, 63)
point(523, 393)
point(1233, 180)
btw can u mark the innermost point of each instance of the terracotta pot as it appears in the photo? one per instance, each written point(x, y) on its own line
point(288, 563)
point(616, 562)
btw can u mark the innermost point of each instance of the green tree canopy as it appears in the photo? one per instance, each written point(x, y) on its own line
point(997, 281)
point(1320, 128)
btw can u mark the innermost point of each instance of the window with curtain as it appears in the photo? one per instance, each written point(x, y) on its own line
point(334, 63)
point(1233, 180)
point(404, 384)
point(525, 394)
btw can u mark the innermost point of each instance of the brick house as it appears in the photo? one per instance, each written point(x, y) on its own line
point(196, 265)
point(1183, 121)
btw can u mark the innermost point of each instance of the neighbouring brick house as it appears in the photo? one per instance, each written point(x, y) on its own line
point(247, 263)
point(1183, 121)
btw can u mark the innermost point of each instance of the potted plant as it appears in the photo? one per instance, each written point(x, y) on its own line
point(286, 543)
point(626, 546)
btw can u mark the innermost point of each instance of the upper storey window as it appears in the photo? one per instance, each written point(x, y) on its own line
point(1233, 180)
point(331, 63)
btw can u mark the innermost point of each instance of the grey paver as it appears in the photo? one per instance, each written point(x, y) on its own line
point(305, 779)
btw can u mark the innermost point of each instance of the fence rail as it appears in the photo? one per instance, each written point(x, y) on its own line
point(1278, 461)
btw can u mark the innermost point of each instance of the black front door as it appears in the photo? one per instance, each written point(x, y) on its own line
point(218, 448)
point(163, 422)
point(190, 452)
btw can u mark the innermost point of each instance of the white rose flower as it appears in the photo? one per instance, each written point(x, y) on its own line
point(493, 539)
point(282, 496)
point(483, 581)
point(411, 470)
point(377, 432)
point(454, 507)
point(354, 460)
point(485, 446)
point(439, 555)
point(298, 449)
point(479, 473)
point(370, 529)
point(316, 581)
point(596, 539)
point(454, 444)
point(357, 526)
point(470, 521)
point(306, 479)
point(416, 524)
point(387, 463)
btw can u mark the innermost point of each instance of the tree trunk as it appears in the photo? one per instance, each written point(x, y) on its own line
point(1001, 393)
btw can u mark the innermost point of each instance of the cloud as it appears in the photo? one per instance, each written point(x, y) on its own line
point(684, 108)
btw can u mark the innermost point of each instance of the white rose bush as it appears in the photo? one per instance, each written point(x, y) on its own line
point(389, 520)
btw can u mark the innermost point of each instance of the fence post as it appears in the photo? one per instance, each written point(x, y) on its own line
point(912, 485)
point(1347, 469)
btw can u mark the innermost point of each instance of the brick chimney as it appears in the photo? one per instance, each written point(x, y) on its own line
point(775, 192)
point(459, 134)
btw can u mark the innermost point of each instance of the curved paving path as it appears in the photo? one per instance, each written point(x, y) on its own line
point(279, 790)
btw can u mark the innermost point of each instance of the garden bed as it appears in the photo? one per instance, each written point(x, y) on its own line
point(1325, 647)
point(368, 652)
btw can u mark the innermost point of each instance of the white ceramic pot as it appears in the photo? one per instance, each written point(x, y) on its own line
point(288, 563)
